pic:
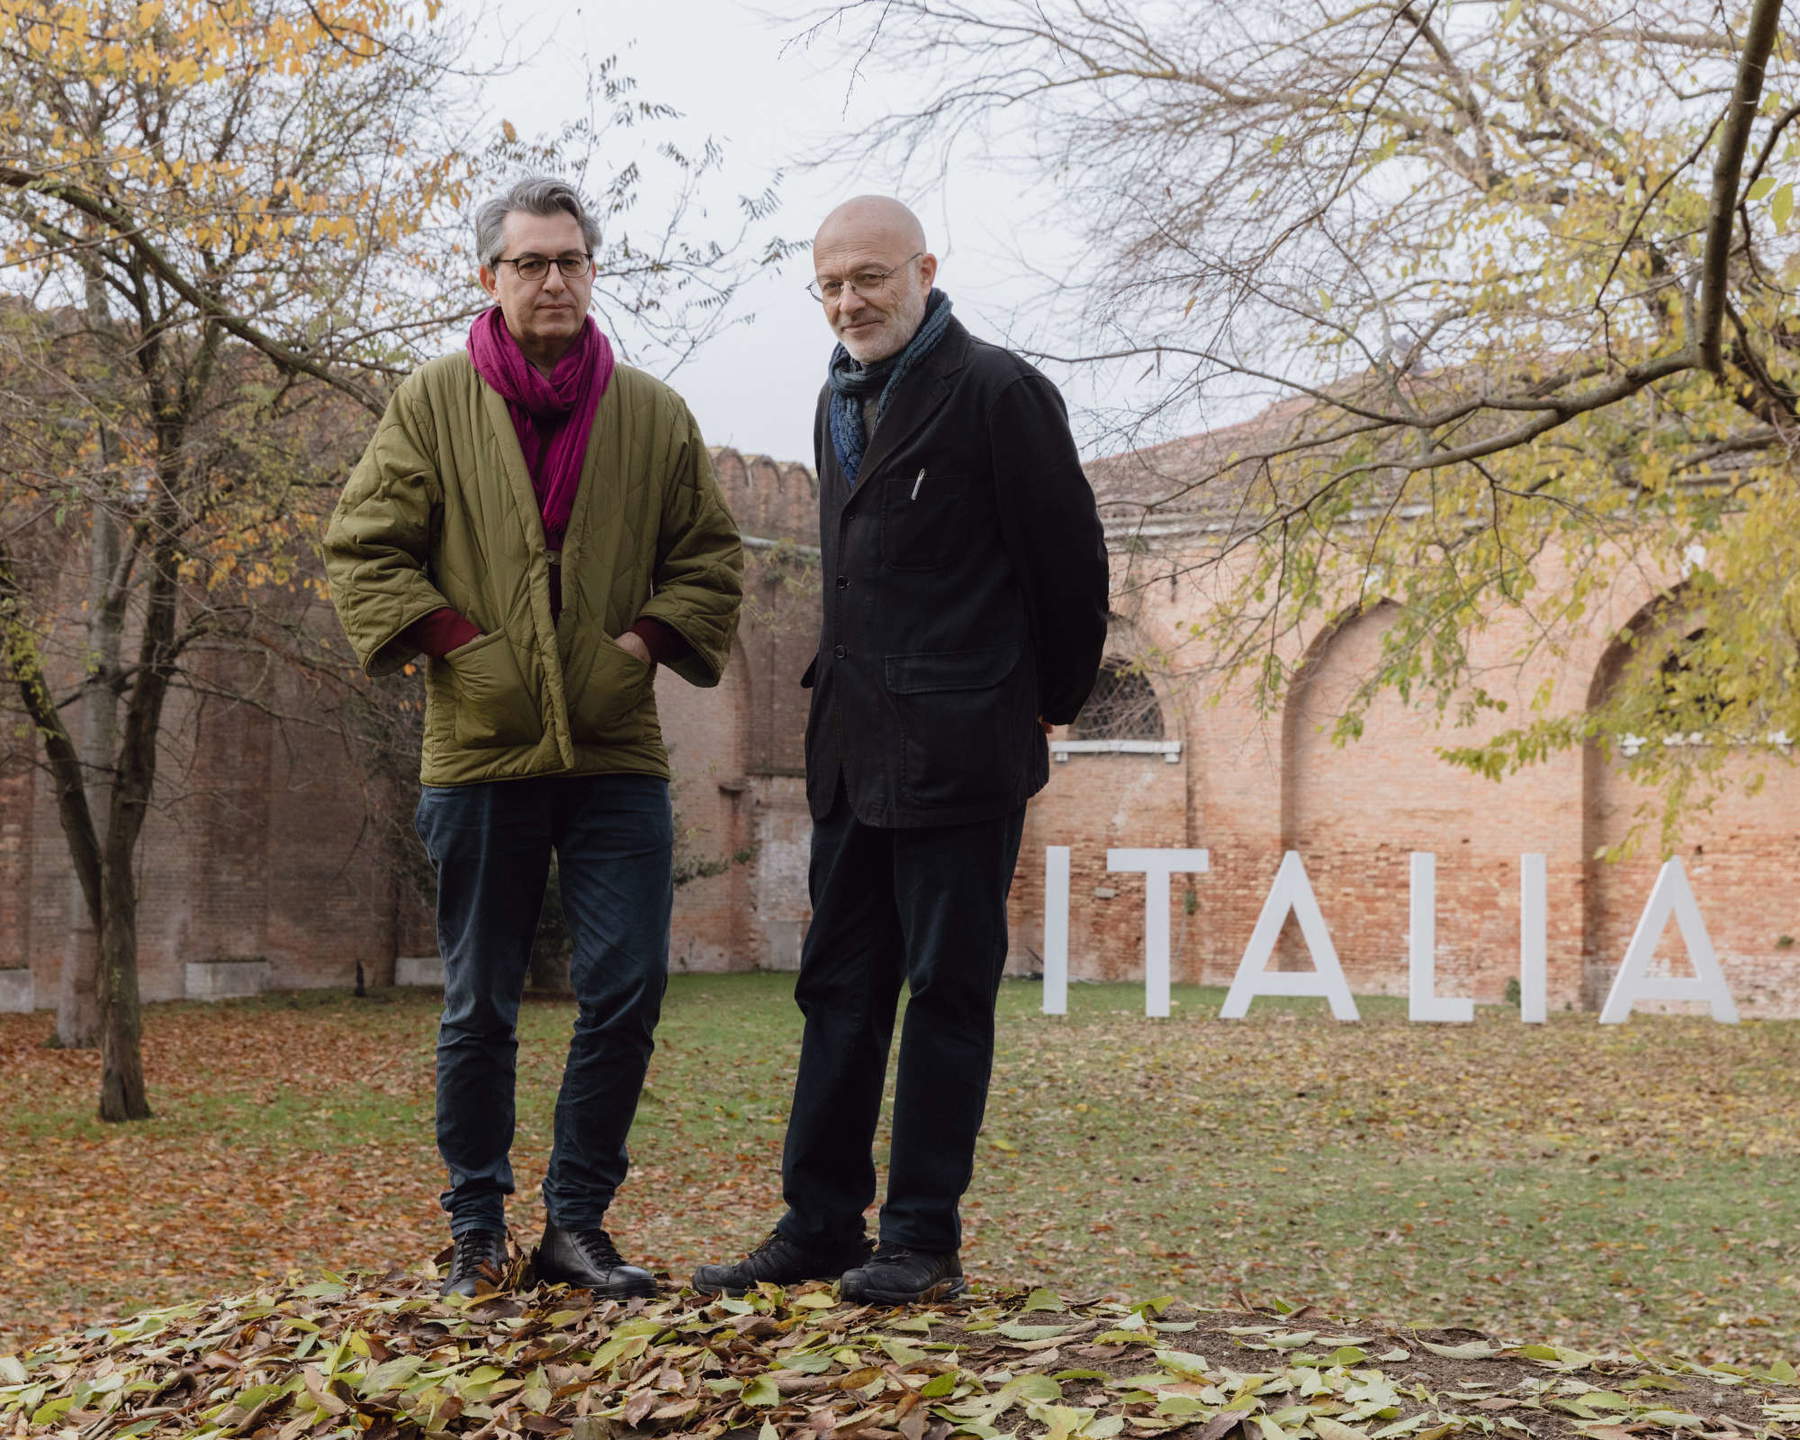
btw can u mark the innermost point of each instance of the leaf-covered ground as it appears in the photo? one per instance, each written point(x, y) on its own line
point(1595, 1187)
point(386, 1358)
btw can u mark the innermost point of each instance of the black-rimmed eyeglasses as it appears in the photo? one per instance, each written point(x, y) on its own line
point(572, 266)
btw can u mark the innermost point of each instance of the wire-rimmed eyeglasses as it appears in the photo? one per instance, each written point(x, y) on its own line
point(863, 282)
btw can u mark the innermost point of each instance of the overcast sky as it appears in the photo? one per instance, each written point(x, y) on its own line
point(771, 103)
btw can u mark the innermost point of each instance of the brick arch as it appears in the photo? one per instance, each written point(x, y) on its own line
point(1658, 612)
point(1613, 892)
point(1739, 853)
point(1128, 644)
point(1302, 698)
point(1356, 812)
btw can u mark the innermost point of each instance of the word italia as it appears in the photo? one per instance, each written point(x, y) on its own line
point(1292, 894)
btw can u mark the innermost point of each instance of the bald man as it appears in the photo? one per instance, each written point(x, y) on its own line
point(964, 612)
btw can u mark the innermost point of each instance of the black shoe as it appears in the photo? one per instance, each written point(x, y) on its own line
point(478, 1258)
point(782, 1261)
point(899, 1276)
point(588, 1260)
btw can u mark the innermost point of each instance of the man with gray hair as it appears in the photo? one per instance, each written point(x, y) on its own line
point(543, 526)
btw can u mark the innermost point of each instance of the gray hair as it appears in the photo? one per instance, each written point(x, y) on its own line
point(534, 195)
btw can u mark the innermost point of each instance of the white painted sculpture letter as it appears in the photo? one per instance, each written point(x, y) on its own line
point(1534, 949)
point(1056, 929)
point(1292, 891)
point(1422, 1000)
point(1671, 895)
point(1156, 867)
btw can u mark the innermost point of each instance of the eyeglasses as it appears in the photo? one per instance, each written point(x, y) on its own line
point(535, 267)
point(863, 282)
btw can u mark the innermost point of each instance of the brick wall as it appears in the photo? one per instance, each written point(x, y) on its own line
point(706, 732)
point(267, 838)
point(736, 751)
point(1251, 786)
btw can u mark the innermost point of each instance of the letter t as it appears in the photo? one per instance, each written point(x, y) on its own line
point(1156, 867)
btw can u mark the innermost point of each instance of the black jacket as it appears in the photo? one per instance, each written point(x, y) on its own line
point(958, 607)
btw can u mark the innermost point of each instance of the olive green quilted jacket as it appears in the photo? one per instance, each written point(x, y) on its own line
point(440, 511)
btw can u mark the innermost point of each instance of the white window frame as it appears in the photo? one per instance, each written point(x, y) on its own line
point(1170, 750)
point(1630, 745)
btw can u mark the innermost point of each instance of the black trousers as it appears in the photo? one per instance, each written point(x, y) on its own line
point(923, 906)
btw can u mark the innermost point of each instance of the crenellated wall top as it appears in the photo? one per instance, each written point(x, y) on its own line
point(774, 499)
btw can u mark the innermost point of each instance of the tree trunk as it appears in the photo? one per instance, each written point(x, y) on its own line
point(77, 993)
point(122, 1092)
point(78, 1000)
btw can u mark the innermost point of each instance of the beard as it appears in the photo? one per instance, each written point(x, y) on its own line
point(890, 336)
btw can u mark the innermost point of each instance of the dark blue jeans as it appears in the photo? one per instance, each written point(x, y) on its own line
point(926, 907)
point(491, 843)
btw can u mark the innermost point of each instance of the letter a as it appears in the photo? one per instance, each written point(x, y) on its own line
point(1292, 891)
point(1670, 895)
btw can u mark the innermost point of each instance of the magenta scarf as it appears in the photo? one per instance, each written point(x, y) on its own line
point(553, 417)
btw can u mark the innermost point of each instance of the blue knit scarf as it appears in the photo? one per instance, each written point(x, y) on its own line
point(851, 381)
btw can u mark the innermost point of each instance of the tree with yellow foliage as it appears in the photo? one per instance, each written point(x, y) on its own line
point(217, 209)
point(1521, 277)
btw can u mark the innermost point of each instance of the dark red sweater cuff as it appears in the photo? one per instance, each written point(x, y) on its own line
point(440, 632)
point(664, 642)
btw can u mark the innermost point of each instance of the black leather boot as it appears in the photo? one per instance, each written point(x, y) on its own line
point(479, 1258)
point(899, 1276)
point(781, 1261)
point(588, 1260)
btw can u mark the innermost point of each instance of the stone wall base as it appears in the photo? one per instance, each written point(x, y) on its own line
point(419, 970)
point(17, 993)
point(226, 979)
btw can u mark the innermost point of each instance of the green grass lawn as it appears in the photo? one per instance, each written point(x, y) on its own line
point(1599, 1186)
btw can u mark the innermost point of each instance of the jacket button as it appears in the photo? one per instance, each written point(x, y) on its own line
point(838, 652)
point(843, 582)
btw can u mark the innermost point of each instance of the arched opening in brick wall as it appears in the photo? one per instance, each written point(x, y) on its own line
point(1738, 851)
point(1135, 696)
point(1317, 691)
point(1677, 673)
point(1122, 706)
point(1614, 806)
point(1356, 808)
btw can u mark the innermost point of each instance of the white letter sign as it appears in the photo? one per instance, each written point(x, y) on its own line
point(1534, 929)
point(1292, 891)
point(1671, 895)
point(1292, 894)
point(1156, 867)
point(1056, 929)
point(1422, 1000)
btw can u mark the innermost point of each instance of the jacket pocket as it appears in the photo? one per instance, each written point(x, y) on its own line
point(965, 721)
point(921, 522)
point(604, 702)
point(493, 706)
